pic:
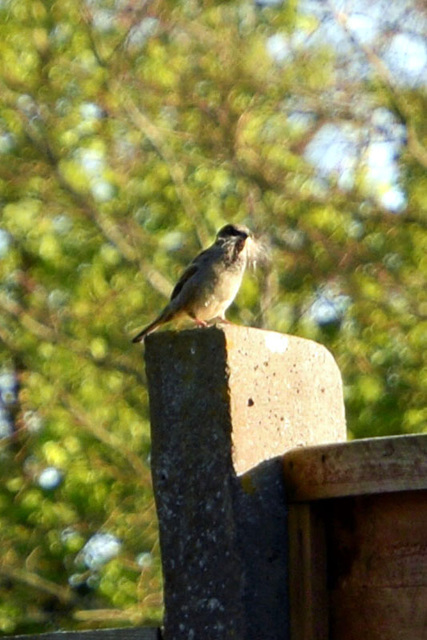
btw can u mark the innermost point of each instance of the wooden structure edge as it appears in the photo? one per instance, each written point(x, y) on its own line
point(360, 467)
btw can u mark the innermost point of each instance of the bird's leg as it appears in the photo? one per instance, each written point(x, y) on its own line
point(200, 323)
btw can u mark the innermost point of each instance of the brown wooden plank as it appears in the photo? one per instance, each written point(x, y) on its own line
point(374, 465)
point(126, 633)
point(307, 573)
point(377, 569)
point(380, 613)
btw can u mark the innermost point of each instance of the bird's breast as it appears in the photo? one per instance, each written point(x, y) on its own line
point(217, 294)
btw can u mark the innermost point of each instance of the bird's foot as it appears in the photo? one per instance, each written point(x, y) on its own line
point(200, 323)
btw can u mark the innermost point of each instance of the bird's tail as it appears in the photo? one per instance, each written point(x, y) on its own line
point(165, 316)
point(151, 327)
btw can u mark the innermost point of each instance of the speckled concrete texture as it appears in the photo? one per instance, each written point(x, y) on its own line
point(285, 392)
point(224, 403)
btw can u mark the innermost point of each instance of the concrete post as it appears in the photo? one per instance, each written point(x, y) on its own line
point(225, 403)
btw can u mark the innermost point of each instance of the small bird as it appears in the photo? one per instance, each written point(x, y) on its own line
point(210, 283)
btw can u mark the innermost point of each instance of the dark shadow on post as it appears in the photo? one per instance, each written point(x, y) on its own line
point(262, 527)
point(194, 486)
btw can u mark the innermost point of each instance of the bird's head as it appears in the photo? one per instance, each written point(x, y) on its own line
point(238, 238)
point(233, 232)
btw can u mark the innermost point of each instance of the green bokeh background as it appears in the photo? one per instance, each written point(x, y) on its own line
point(128, 135)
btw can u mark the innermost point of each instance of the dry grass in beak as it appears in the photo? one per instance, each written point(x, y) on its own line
point(258, 252)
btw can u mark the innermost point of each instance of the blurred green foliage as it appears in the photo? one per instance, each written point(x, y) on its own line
point(129, 133)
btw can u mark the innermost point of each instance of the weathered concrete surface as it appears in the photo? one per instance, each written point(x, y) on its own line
point(226, 401)
point(285, 392)
point(193, 485)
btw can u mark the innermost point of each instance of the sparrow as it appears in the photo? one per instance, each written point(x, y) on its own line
point(210, 283)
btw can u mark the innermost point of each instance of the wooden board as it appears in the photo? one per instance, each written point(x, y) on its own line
point(377, 566)
point(127, 633)
point(375, 465)
point(309, 611)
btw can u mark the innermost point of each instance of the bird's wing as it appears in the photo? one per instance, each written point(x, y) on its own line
point(188, 273)
point(199, 262)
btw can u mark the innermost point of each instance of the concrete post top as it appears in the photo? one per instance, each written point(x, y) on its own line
point(282, 391)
